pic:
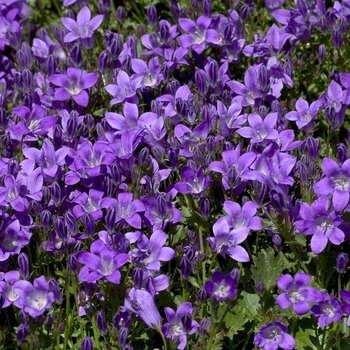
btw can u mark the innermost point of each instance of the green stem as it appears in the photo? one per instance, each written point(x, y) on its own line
point(201, 243)
point(67, 311)
point(339, 284)
point(163, 338)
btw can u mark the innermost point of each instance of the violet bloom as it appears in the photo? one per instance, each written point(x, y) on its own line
point(249, 93)
point(234, 164)
point(274, 335)
point(305, 115)
point(125, 88)
point(35, 121)
point(297, 293)
point(34, 298)
point(226, 241)
point(8, 283)
point(221, 287)
point(336, 182)
point(84, 27)
point(195, 182)
point(327, 311)
point(197, 33)
point(323, 226)
point(91, 203)
point(346, 307)
point(73, 84)
point(101, 263)
point(180, 323)
point(127, 210)
point(151, 76)
point(260, 130)
point(13, 238)
point(142, 304)
point(150, 252)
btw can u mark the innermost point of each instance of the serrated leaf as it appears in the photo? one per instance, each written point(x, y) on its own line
point(303, 339)
point(235, 322)
point(299, 239)
point(268, 268)
point(250, 304)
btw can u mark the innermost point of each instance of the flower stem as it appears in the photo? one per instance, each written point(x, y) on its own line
point(163, 338)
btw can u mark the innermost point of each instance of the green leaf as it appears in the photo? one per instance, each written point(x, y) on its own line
point(250, 304)
point(303, 339)
point(194, 282)
point(235, 322)
point(100, 113)
point(268, 268)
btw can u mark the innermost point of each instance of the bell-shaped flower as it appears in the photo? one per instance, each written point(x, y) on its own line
point(180, 323)
point(142, 304)
point(249, 93)
point(297, 293)
point(260, 130)
point(84, 27)
point(34, 298)
point(195, 182)
point(221, 287)
point(74, 84)
point(305, 115)
point(8, 283)
point(226, 241)
point(125, 89)
point(197, 34)
point(322, 225)
point(150, 252)
point(151, 76)
point(335, 183)
point(327, 311)
point(101, 263)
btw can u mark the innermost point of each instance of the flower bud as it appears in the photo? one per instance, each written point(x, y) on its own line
point(89, 224)
point(202, 295)
point(73, 263)
point(22, 332)
point(321, 53)
point(260, 288)
point(152, 15)
point(23, 264)
point(342, 262)
point(55, 289)
point(102, 61)
point(186, 321)
point(236, 275)
point(87, 344)
point(123, 336)
point(120, 14)
point(204, 204)
point(101, 322)
point(185, 267)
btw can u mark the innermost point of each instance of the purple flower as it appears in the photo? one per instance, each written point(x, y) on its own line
point(346, 307)
point(221, 287)
point(151, 76)
point(248, 93)
point(84, 27)
point(327, 311)
point(195, 181)
point(233, 166)
point(35, 121)
point(12, 238)
point(260, 130)
point(125, 88)
point(8, 283)
point(226, 241)
point(336, 182)
point(34, 298)
point(142, 304)
point(150, 252)
point(73, 84)
point(127, 210)
point(179, 324)
point(297, 293)
point(305, 115)
point(197, 33)
point(101, 264)
point(323, 226)
point(274, 335)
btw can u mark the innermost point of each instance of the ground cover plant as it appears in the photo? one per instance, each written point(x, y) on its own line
point(174, 175)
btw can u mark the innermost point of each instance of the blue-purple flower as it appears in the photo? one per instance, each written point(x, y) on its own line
point(297, 293)
point(74, 84)
point(180, 323)
point(274, 335)
point(221, 287)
